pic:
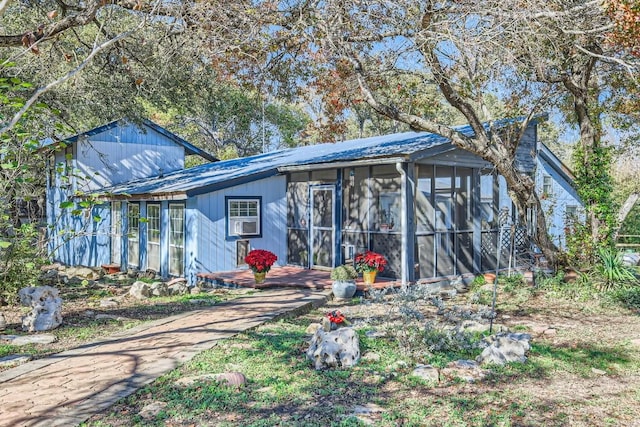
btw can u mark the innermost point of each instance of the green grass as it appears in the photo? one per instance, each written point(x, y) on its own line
point(283, 389)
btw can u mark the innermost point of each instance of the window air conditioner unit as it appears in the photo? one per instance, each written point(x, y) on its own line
point(246, 227)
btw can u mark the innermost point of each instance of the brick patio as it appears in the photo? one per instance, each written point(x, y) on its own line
point(286, 277)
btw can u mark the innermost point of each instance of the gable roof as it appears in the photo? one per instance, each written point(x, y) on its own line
point(189, 148)
point(563, 170)
point(210, 177)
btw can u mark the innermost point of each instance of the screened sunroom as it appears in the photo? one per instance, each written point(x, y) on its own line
point(441, 219)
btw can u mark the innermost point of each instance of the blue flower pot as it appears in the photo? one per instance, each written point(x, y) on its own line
point(344, 289)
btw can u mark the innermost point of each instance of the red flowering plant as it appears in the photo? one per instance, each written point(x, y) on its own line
point(260, 260)
point(336, 317)
point(369, 261)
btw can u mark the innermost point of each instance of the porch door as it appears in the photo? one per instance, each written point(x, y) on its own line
point(322, 226)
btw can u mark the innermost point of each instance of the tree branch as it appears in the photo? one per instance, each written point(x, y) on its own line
point(61, 80)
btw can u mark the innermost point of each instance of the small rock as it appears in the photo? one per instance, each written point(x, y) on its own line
point(367, 409)
point(195, 290)
point(159, 289)
point(375, 334)
point(426, 372)
point(631, 259)
point(550, 332)
point(14, 360)
point(111, 317)
point(190, 380)
point(3, 322)
point(231, 379)
point(326, 324)
point(312, 328)
point(371, 357)
point(199, 301)
point(20, 340)
point(150, 273)
point(152, 410)
point(463, 364)
point(176, 280)
point(598, 371)
point(140, 290)
point(55, 266)
point(108, 303)
point(88, 313)
point(82, 273)
point(178, 288)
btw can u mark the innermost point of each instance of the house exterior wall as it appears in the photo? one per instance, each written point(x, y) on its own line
point(124, 153)
point(216, 251)
point(556, 204)
point(78, 236)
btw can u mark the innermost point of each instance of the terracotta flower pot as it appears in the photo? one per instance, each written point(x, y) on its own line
point(489, 278)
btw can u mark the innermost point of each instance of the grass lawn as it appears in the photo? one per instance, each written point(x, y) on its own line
point(583, 370)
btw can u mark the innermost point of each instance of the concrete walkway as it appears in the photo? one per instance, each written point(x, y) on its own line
point(68, 388)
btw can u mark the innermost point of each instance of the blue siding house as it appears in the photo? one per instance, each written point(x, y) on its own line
point(430, 208)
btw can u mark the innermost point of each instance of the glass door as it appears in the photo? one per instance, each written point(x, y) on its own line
point(322, 230)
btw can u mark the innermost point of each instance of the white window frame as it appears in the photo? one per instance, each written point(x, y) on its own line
point(133, 234)
point(176, 240)
point(240, 216)
point(547, 185)
point(116, 232)
point(153, 228)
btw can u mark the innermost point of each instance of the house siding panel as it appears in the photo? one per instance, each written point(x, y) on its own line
point(554, 204)
point(215, 251)
point(118, 162)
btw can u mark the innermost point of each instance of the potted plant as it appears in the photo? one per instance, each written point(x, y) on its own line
point(344, 281)
point(369, 264)
point(260, 262)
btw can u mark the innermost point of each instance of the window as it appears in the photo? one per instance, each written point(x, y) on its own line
point(133, 235)
point(153, 237)
point(176, 239)
point(547, 185)
point(243, 217)
point(116, 232)
point(571, 211)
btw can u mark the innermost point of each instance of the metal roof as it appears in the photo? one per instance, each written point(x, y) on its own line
point(227, 173)
point(189, 148)
point(223, 174)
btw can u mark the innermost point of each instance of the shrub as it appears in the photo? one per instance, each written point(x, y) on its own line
point(344, 273)
point(627, 297)
point(20, 261)
point(610, 272)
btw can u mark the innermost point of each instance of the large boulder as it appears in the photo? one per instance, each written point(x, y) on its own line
point(46, 308)
point(505, 348)
point(335, 349)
